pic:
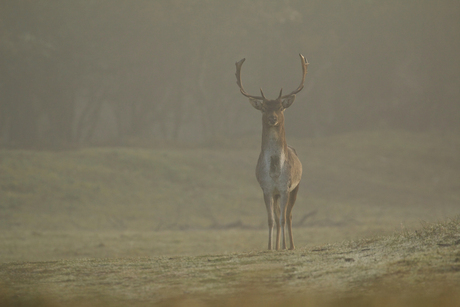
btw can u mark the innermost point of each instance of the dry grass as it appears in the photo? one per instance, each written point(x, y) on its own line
point(409, 268)
point(186, 226)
point(134, 202)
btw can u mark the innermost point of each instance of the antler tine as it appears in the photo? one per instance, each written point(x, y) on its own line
point(262, 93)
point(281, 93)
point(238, 81)
point(304, 63)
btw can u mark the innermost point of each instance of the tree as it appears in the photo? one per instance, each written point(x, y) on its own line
point(74, 72)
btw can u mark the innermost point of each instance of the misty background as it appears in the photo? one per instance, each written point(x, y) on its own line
point(111, 71)
point(167, 145)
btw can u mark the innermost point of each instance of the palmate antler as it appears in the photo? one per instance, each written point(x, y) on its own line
point(304, 63)
point(238, 81)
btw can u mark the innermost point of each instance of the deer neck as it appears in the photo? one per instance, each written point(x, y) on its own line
point(274, 139)
point(274, 148)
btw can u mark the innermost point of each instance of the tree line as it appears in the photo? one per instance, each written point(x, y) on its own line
point(109, 71)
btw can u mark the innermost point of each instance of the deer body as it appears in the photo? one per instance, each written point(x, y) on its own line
point(278, 172)
point(278, 168)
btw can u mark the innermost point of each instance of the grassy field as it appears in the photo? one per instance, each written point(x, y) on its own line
point(122, 202)
point(187, 225)
point(410, 268)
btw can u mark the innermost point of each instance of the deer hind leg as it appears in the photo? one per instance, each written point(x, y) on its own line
point(276, 207)
point(271, 218)
point(284, 200)
point(292, 199)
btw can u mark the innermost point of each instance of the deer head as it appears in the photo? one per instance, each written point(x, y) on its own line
point(272, 110)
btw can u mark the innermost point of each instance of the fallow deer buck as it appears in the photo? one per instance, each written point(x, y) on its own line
point(278, 169)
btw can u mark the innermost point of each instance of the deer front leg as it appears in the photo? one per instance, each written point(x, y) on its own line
point(284, 198)
point(268, 198)
point(292, 199)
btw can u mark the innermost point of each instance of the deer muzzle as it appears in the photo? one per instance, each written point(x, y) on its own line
point(272, 120)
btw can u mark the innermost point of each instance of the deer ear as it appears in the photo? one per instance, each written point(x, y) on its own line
point(288, 101)
point(257, 104)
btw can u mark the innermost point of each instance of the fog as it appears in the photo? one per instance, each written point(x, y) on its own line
point(146, 90)
point(109, 71)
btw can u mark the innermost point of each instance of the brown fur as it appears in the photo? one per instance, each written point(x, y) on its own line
point(278, 169)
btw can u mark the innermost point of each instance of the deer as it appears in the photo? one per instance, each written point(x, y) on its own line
point(278, 169)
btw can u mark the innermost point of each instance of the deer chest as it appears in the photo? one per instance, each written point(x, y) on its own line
point(273, 172)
